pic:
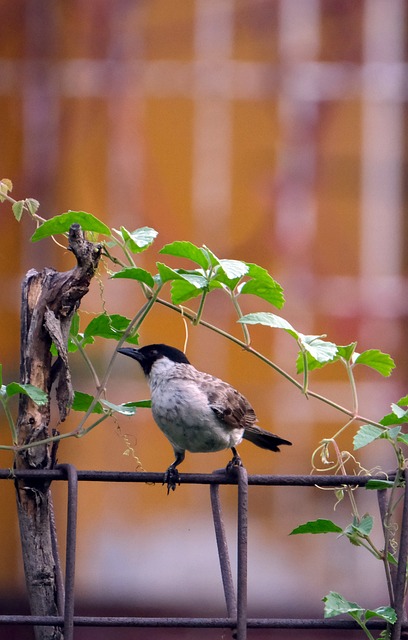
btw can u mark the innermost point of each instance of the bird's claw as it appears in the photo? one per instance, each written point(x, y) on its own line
point(172, 479)
point(235, 462)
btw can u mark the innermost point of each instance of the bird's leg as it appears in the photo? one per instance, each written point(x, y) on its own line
point(235, 462)
point(171, 476)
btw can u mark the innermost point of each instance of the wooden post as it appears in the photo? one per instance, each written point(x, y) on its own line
point(49, 300)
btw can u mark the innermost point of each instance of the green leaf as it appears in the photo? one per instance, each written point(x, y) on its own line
point(399, 414)
point(18, 208)
point(109, 326)
point(234, 268)
point(378, 485)
point(32, 205)
point(365, 435)
point(138, 240)
point(181, 291)
point(166, 273)
point(385, 613)
point(346, 352)
point(82, 402)
point(336, 605)
point(1, 375)
point(263, 285)
point(63, 222)
point(145, 404)
point(365, 526)
point(352, 535)
point(403, 438)
point(37, 395)
point(269, 320)
point(135, 273)
point(272, 294)
point(83, 340)
point(185, 284)
point(211, 257)
point(317, 526)
point(391, 419)
point(196, 279)
point(398, 411)
point(5, 186)
point(320, 350)
point(381, 362)
point(312, 363)
point(392, 433)
point(220, 279)
point(185, 249)
point(125, 410)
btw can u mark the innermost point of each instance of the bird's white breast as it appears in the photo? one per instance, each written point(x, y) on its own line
point(181, 409)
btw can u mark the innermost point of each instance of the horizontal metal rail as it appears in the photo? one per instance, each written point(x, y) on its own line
point(218, 477)
point(236, 604)
point(203, 623)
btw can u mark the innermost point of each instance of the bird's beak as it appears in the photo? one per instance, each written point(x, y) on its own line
point(132, 353)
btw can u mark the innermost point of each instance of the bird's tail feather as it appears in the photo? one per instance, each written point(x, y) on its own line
point(264, 439)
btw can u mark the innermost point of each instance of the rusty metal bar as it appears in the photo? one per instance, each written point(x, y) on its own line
point(383, 505)
point(197, 478)
point(401, 579)
point(242, 549)
point(223, 554)
point(72, 508)
point(252, 623)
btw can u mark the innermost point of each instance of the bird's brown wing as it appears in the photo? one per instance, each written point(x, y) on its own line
point(230, 406)
point(234, 410)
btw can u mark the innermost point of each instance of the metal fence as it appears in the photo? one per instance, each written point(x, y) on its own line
point(236, 600)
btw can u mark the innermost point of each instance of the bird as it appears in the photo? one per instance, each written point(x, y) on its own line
point(196, 411)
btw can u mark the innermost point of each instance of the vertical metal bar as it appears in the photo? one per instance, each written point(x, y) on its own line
point(223, 555)
point(402, 566)
point(383, 505)
point(72, 508)
point(59, 580)
point(242, 578)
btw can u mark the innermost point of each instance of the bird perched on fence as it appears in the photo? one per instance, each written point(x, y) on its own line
point(196, 411)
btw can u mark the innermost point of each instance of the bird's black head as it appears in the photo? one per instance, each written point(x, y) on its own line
point(147, 356)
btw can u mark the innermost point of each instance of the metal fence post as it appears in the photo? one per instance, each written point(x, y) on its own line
point(223, 554)
point(72, 507)
point(242, 578)
point(402, 568)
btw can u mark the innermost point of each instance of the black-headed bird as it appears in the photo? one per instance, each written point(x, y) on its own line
point(196, 411)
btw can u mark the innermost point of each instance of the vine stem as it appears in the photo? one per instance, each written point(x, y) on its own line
point(80, 431)
point(87, 361)
point(10, 420)
point(349, 490)
point(365, 629)
point(245, 329)
point(133, 325)
point(197, 319)
point(349, 369)
point(191, 316)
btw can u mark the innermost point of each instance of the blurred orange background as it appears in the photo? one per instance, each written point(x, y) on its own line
point(272, 131)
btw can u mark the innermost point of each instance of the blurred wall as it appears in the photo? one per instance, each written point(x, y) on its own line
point(273, 131)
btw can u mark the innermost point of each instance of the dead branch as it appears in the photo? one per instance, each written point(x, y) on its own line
point(49, 301)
